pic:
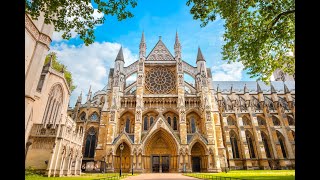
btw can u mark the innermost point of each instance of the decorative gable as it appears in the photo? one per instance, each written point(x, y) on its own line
point(160, 53)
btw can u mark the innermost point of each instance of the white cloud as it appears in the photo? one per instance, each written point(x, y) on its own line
point(57, 36)
point(227, 72)
point(90, 65)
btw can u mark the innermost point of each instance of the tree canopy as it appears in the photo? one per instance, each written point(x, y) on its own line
point(59, 66)
point(78, 15)
point(259, 33)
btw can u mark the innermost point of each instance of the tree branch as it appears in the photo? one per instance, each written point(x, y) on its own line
point(279, 16)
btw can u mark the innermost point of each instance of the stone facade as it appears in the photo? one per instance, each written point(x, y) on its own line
point(166, 124)
point(52, 142)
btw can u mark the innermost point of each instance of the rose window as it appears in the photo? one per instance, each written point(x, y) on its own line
point(160, 80)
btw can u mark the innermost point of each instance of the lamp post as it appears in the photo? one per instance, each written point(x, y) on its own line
point(104, 164)
point(121, 148)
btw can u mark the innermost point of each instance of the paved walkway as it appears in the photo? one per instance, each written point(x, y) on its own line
point(158, 176)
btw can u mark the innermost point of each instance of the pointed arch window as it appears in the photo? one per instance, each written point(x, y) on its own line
point(193, 125)
point(234, 144)
point(246, 121)
point(291, 121)
point(282, 144)
point(230, 121)
point(53, 107)
point(266, 144)
point(175, 123)
point(145, 123)
point(250, 144)
point(276, 121)
point(261, 121)
point(151, 120)
point(169, 120)
point(128, 125)
point(90, 143)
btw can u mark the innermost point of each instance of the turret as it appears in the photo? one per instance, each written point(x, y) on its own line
point(246, 93)
point(201, 77)
point(118, 70)
point(89, 94)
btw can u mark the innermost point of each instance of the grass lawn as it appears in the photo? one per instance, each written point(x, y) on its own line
point(82, 177)
point(252, 174)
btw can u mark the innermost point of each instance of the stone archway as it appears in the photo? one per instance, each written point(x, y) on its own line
point(161, 152)
point(198, 158)
point(125, 158)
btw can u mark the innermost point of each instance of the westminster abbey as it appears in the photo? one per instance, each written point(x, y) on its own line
point(165, 124)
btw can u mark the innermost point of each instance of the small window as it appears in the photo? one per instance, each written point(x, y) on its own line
point(169, 120)
point(230, 121)
point(175, 126)
point(145, 123)
point(246, 121)
point(151, 120)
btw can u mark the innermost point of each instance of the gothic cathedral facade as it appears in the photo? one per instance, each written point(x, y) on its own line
point(162, 123)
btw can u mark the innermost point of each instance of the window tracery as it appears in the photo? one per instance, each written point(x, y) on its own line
point(160, 80)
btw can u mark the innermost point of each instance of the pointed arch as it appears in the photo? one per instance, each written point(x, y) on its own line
point(166, 136)
point(282, 144)
point(193, 122)
point(246, 120)
point(275, 120)
point(261, 121)
point(234, 139)
point(251, 144)
point(196, 139)
point(291, 121)
point(266, 144)
point(231, 121)
point(54, 105)
point(126, 122)
point(90, 142)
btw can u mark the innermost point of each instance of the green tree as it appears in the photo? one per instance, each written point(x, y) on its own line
point(59, 66)
point(78, 15)
point(259, 33)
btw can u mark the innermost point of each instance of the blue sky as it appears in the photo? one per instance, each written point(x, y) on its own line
point(89, 65)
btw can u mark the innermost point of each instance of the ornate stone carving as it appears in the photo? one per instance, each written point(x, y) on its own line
point(160, 52)
point(160, 80)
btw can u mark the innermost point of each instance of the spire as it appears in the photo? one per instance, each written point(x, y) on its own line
point(177, 47)
point(89, 94)
point(50, 61)
point(177, 42)
point(120, 55)
point(286, 89)
point(218, 89)
point(142, 38)
point(199, 55)
point(142, 47)
point(273, 90)
point(259, 88)
point(232, 90)
point(246, 90)
point(79, 98)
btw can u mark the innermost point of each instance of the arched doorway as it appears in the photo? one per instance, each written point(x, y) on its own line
point(161, 152)
point(125, 158)
point(198, 158)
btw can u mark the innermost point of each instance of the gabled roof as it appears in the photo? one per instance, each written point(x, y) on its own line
point(160, 53)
